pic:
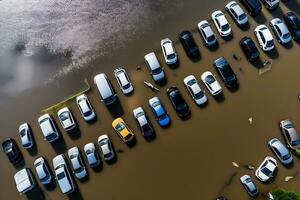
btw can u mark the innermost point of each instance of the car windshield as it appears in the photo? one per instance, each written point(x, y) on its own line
point(157, 71)
point(211, 38)
point(87, 113)
point(242, 16)
point(103, 142)
point(61, 175)
point(296, 142)
point(199, 95)
point(225, 27)
point(126, 86)
point(120, 127)
point(171, 56)
point(270, 43)
point(140, 114)
point(23, 132)
point(266, 171)
point(287, 156)
point(288, 126)
point(191, 82)
point(210, 79)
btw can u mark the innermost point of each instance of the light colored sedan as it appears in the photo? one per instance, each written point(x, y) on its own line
point(281, 152)
point(169, 52)
point(143, 122)
point(290, 134)
point(194, 89)
point(154, 66)
point(264, 37)
point(237, 13)
point(91, 154)
point(66, 119)
point(77, 163)
point(266, 169)
point(221, 23)
point(26, 136)
point(123, 80)
point(42, 170)
point(106, 147)
point(249, 185)
point(211, 83)
point(281, 31)
point(85, 107)
point(207, 33)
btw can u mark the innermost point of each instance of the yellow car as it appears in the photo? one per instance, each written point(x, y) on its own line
point(122, 129)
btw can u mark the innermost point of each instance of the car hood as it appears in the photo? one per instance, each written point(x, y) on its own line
point(164, 121)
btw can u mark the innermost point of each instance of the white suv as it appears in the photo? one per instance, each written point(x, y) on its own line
point(264, 37)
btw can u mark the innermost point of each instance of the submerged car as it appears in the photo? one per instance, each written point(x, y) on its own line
point(154, 66)
point(267, 169)
point(271, 4)
point(91, 154)
point(221, 23)
point(264, 37)
point(237, 13)
point(293, 23)
point(169, 52)
point(143, 122)
point(123, 80)
point(123, 130)
point(159, 111)
point(249, 185)
point(106, 147)
point(48, 128)
point(63, 175)
point(77, 163)
point(189, 44)
point(42, 170)
point(26, 135)
point(249, 49)
point(211, 83)
point(281, 31)
point(253, 6)
point(290, 134)
point(191, 84)
point(226, 73)
point(85, 107)
point(12, 151)
point(281, 152)
point(207, 33)
point(66, 119)
point(178, 102)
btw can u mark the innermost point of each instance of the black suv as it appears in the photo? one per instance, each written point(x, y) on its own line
point(249, 49)
point(293, 24)
point(12, 151)
point(253, 6)
point(189, 44)
point(226, 73)
point(178, 102)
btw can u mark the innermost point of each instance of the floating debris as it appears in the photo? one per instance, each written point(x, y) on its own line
point(250, 167)
point(241, 69)
point(151, 86)
point(235, 164)
point(138, 67)
point(288, 178)
point(120, 151)
point(236, 57)
point(221, 198)
point(267, 66)
point(250, 119)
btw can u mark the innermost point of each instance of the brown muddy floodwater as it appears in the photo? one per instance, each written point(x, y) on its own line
point(192, 158)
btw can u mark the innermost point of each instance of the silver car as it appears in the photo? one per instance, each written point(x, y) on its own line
point(281, 152)
point(26, 136)
point(194, 89)
point(106, 147)
point(249, 185)
point(42, 170)
point(207, 33)
point(237, 13)
point(77, 163)
point(123, 80)
point(290, 134)
point(91, 154)
point(281, 31)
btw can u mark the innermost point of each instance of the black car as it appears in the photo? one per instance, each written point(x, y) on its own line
point(253, 6)
point(178, 102)
point(226, 73)
point(293, 24)
point(249, 48)
point(12, 151)
point(189, 44)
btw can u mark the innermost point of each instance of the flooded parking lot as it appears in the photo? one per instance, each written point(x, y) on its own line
point(190, 159)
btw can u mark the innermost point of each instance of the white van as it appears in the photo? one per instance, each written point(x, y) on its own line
point(153, 64)
point(24, 180)
point(107, 93)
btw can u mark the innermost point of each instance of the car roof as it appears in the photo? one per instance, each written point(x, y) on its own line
point(279, 146)
point(64, 183)
point(84, 106)
point(22, 180)
point(46, 127)
point(103, 86)
point(237, 9)
point(152, 61)
point(282, 27)
point(123, 78)
point(168, 48)
point(266, 32)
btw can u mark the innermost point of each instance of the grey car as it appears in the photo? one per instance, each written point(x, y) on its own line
point(290, 134)
point(281, 31)
point(249, 185)
point(281, 152)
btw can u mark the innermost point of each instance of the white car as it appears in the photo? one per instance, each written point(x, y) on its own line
point(211, 83)
point(66, 119)
point(237, 13)
point(26, 136)
point(207, 33)
point(249, 185)
point(194, 89)
point(281, 31)
point(266, 169)
point(169, 52)
point(77, 163)
point(281, 152)
point(42, 170)
point(106, 147)
point(63, 175)
point(264, 37)
point(123, 80)
point(85, 107)
point(221, 23)
point(91, 154)
point(153, 64)
point(48, 128)
point(24, 181)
